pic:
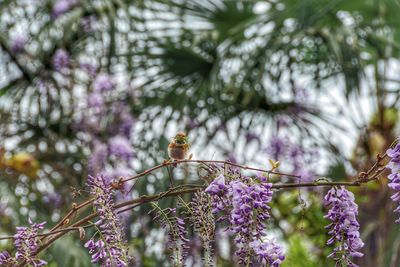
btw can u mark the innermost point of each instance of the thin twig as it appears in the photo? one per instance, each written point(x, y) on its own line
point(372, 174)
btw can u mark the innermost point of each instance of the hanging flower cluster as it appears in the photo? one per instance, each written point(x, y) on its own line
point(394, 177)
point(177, 241)
point(26, 242)
point(107, 115)
point(61, 60)
point(268, 252)
point(344, 228)
point(110, 248)
point(203, 222)
point(244, 204)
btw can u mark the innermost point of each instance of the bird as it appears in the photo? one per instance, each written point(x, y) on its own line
point(178, 147)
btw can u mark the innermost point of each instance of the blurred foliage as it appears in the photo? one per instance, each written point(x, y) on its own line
point(219, 70)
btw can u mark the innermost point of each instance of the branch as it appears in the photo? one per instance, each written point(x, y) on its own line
point(55, 233)
point(244, 167)
point(140, 200)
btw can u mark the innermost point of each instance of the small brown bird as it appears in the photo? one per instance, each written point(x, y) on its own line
point(178, 147)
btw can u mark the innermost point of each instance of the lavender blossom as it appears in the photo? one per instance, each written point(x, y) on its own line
point(306, 175)
point(110, 249)
point(97, 157)
point(87, 23)
point(232, 158)
point(250, 210)
point(395, 185)
point(26, 242)
point(244, 205)
point(96, 100)
point(218, 186)
point(126, 123)
point(120, 147)
point(53, 199)
point(61, 60)
point(268, 253)
point(177, 233)
point(90, 69)
point(203, 222)
point(277, 147)
point(62, 6)
point(6, 260)
point(394, 177)
point(394, 154)
point(344, 228)
point(103, 83)
point(18, 44)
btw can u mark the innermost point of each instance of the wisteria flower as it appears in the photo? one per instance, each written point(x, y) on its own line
point(97, 157)
point(277, 147)
point(6, 259)
point(394, 154)
point(120, 147)
point(217, 186)
point(62, 6)
point(96, 100)
point(344, 228)
point(268, 252)
point(90, 69)
point(18, 43)
point(177, 233)
point(394, 177)
point(110, 248)
point(103, 83)
point(203, 222)
point(244, 205)
point(61, 60)
point(26, 242)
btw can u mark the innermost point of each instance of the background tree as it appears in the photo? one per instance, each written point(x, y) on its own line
point(311, 83)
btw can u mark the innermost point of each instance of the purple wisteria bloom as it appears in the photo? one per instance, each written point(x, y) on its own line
point(62, 6)
point(344, 227)
point(95, 100)
point(306, 175)
point(90, 69)
point(98, 157)
point(268, 252)
point(218, 186)
point(120, 147)
point(110, 249)
point(6, 259)
point(394, 177)
point(176, 227)
point(18, 44)
point(394, 155)
point(61, 60)
point(88, 23)
point(277, 147)
point(103, 83)
point(203, 223)
point(126, 123)
point(26, 242)
point(395, 185)
point(244, 204)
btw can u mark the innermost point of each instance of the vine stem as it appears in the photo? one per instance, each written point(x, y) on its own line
point(244, 167)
